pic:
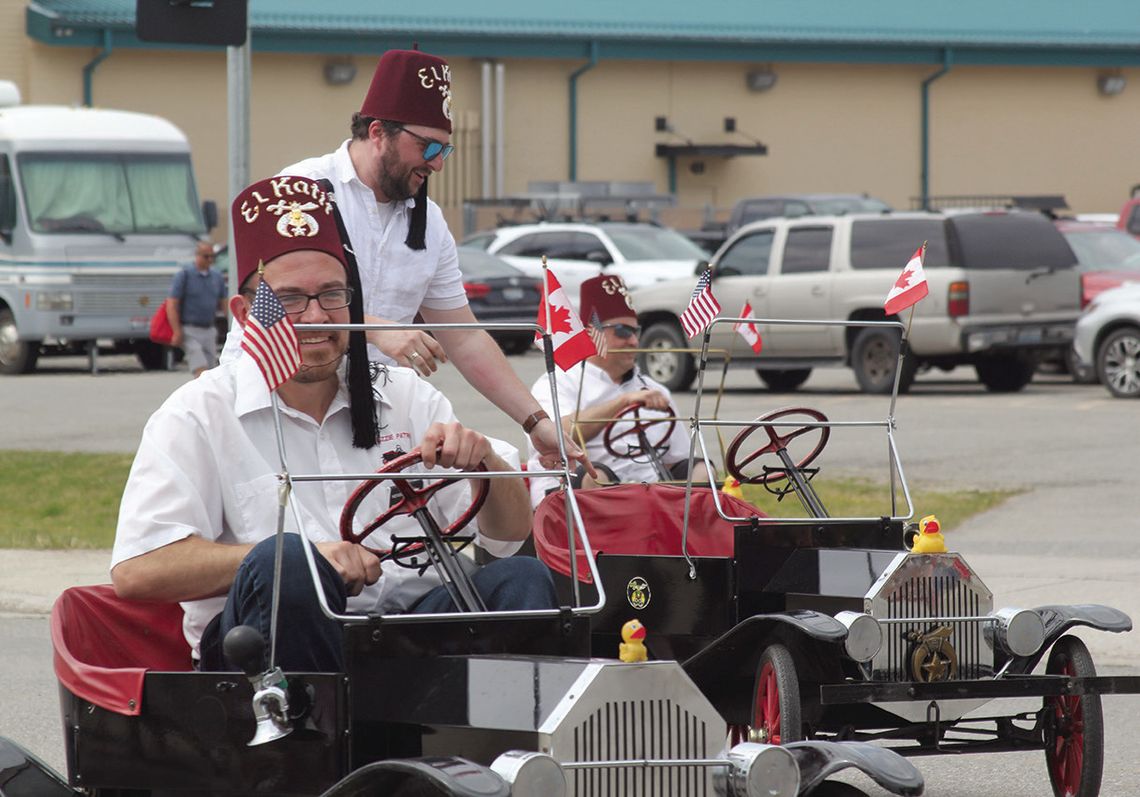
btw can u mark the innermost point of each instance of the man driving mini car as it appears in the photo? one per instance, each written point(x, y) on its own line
point(591, 398)
point(199, 512)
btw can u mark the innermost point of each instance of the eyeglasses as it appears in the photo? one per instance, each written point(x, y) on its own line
point(623, 331)
point(334, 299)
point(432, 149)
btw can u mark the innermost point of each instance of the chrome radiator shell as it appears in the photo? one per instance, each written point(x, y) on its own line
point(919, 593)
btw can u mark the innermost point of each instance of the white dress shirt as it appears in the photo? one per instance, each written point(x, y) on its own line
point(397, 281)
point(599, 387)
point(208, 465)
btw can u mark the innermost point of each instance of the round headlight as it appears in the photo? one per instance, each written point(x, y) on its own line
point(864, 635)
point(1018, 631)
point(762, 770)
point(530, 774)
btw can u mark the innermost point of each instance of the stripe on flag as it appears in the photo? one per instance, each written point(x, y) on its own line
point(269, 338)
point(702, 309)
point(598, 335)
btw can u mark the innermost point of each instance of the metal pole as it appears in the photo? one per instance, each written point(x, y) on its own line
point(500, 115)
point(237, 97)
point(488, 128)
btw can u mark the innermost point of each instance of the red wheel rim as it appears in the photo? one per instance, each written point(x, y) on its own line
point(1066, 753)
point(766, 713)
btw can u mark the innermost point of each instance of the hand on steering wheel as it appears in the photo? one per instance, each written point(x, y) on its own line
point(638, 426)
point(735, 462)
point(414, 499)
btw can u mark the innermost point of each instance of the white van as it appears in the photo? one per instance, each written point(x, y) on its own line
point(98, 211)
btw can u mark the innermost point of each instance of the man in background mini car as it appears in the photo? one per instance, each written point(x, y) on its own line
point(591, 396)
point(199, 513)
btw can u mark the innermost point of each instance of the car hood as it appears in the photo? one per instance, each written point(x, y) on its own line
point(649, 272)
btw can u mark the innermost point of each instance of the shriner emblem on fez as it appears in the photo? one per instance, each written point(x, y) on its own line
point(294, 221)
point(612, 285)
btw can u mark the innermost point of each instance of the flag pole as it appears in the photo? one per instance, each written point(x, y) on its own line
point(895, 394)
point(283, 491)
point(548, 352)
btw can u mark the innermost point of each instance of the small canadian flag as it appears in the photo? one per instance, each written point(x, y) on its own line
point(748, 330)
point(568, 335)
point(910, 287)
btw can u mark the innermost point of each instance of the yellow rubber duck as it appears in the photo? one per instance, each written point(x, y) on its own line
point(732, 487)
point(929, 539)
point(633, 648)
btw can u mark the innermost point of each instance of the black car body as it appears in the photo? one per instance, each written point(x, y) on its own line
point(500, 293)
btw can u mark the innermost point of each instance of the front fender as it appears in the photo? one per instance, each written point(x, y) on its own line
point(819, 760)
point(437, 775)
point(1059, 618)
point(24, 775)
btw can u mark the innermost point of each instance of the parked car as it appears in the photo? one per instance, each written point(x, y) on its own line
point(639, 253)
point(1108, 339)
point(499, 292)
point(1002, 285)
point(789, 206)
point(1129, 218)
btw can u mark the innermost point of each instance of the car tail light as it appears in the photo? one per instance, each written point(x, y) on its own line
point(476, 290)
point(958, 299)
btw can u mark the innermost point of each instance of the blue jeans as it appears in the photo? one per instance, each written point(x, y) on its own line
point(308, 641)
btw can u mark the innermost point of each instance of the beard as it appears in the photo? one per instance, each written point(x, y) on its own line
point(310, 372)
point(395, 179)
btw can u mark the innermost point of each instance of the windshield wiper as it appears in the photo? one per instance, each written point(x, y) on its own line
point(1041, 272)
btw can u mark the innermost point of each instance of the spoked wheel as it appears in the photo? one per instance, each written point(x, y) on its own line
point(656, 433)
point(739, 464)
point(1074, 726)
point(776, 713)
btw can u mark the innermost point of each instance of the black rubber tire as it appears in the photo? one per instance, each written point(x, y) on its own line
point(1112, 363)
point(1081, 374)
point(787, 684)
point(874, 357)
point(783, 381)
point(1065, 714)
point(16, 356)
point(675, 370)
point(514, 344)
point(1004, 373)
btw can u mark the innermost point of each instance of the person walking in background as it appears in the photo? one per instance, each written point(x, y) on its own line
point(197, 296)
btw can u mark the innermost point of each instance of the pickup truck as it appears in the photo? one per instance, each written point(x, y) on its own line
point(1129, 219)
point(1003, 291)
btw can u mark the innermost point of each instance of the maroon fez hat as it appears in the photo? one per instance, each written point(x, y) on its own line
point(411, 87)
point(607, 296)
point(282, 214)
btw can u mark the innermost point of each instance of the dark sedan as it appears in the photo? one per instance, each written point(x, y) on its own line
point(499, 292)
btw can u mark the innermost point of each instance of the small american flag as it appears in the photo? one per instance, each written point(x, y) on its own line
point(702, 309)
point(270, 339)
point(598, 335)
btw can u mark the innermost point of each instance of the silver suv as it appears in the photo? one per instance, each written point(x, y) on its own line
point(1002, 291)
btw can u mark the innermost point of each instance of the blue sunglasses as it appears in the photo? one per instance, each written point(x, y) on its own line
point(432, 149)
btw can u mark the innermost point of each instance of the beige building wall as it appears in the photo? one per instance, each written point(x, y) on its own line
point(828, 127)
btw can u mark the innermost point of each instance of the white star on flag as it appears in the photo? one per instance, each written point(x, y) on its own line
point(910, 287)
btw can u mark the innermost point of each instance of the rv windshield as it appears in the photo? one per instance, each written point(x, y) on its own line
point(116, 193)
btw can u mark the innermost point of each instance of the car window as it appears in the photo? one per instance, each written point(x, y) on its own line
point(7, 196)
point(761, 209)
point(654, 243)
point(581, 245)
point(748, 256)
point(889, 243)
point(536, 244)
point(794, 209)
point(1104, 249)
point(807, 249)
point(480, 240)
point(1133, 225)
point(1009, 241)
point(476, 264)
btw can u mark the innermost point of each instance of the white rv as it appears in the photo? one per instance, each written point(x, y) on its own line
point(98, 210)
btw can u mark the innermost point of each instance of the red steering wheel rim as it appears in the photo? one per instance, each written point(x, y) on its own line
point(413, 498)
point(734, 463)
point(609, 438)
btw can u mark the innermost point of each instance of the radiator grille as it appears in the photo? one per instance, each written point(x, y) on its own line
point(120, 294)
point(915, 594)
point(635, 730)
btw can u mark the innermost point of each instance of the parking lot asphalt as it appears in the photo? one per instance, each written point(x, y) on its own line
point(1067, 538)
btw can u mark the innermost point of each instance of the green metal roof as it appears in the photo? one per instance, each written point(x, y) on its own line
point(886, 31)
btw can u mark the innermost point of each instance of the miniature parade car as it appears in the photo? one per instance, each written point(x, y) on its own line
point(476, 703)
point(837, 628)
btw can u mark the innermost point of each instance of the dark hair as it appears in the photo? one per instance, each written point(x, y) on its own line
point(361, 123)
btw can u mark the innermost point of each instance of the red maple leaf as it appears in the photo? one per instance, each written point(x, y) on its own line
point(903, 280)
point(559, 319)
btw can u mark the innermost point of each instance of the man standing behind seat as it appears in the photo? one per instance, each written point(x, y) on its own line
point(606, 386)
point(406, 256)
point(198, 294)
